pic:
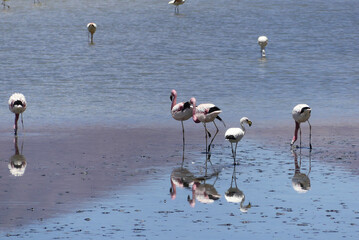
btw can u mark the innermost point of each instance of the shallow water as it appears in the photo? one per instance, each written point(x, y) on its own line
point(209, 51)
point(325, 210)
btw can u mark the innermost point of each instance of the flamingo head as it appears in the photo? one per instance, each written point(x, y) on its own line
point(193, 103)
point(246, 120)
point(173, 94)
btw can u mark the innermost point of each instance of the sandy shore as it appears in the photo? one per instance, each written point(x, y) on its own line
point(65, 167)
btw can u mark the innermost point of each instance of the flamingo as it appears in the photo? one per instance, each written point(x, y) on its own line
point(91, 27)
point(17, 105)
point(234, 135)
point(4, 4)
point(204, 113)
point(300, 114)
point(263, 41)
point(176, 3)
point(180, 111)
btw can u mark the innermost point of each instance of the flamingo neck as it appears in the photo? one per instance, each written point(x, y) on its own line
point(194, 117)
point(174, 101)
point(243, 128)
point(16, 119)
point(295, 137)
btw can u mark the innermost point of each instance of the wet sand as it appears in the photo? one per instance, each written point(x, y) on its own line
point(67, 167)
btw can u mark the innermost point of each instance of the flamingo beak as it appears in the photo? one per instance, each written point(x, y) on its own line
point(249, 122)
point(171, 97)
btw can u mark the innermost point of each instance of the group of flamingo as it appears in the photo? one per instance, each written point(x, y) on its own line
point(5, 5)
point(208, 112)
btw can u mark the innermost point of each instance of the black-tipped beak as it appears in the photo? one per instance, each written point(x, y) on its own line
point(171, 97)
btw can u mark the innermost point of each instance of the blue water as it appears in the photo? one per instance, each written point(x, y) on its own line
point(142, 50)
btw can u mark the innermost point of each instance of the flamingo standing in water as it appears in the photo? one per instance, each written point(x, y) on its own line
point(180, 111)
point(204, 113)
point(91, 27)
point(176, 3)
point(17, 105)
point(263, 41)
point(300, 114)
point(234, 135)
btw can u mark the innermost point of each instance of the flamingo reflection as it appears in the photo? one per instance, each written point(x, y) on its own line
point(17, 164)
point(180, 177)
point(300, 181)
point(202, 191)
point(235, 195)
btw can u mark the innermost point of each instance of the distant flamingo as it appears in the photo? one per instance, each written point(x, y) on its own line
point(301, 113)
point(4, 4)
point(205, 113)
point(91, 27)
point(180, 111)
point(176, 3)
point(263, 41)
point(234, 135)
point(17, 105)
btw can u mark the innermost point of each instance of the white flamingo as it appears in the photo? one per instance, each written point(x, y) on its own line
point(234, 135)
point(263, 41)
point(91, 27)
point(17, 105)
point(301, 113)
point(206, 113)
point(180, 111)
point(176, 3)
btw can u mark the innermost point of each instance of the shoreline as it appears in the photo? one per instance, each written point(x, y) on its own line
point(68, 166)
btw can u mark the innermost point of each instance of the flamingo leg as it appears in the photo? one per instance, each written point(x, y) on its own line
point(300, 137)
point(232, 149)
point(183, 137)
point(209, 146)
point(310, 136)
point(15, 125)
point(22, 121)
point(235, 154)
point(206, 131)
